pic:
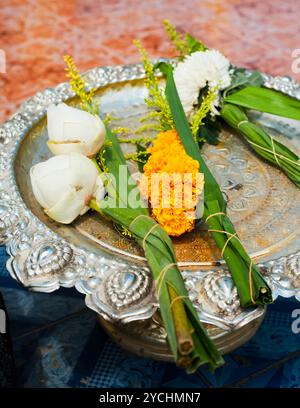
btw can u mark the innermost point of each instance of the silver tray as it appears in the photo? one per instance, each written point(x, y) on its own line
point(109, 269)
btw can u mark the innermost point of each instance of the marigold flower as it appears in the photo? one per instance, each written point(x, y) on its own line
point(173, 184)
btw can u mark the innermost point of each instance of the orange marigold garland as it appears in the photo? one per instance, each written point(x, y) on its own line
point(178, 184)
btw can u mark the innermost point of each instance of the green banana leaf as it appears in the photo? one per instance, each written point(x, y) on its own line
point(251, 286)
point(266, 100)
point(268, 148)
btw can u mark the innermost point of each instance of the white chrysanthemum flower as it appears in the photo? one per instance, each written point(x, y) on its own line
point(198, 70)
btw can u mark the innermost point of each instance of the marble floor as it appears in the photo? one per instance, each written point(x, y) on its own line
point(35, 34)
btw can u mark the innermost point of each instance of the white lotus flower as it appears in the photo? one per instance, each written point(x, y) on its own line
point(74, 130)
point(64, 185)
point(198, 70)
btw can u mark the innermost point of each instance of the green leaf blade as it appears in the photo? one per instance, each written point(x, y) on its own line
point(266, 100)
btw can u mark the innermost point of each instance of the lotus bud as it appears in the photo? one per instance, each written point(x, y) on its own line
point(74, 130)
point(64, 186)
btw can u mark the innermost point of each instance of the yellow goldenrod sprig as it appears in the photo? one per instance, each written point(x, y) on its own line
point(100, 158)
point(107, 119)
point(137, 157)
point(123, 231)
point(79, 87)
point(121, 129)
point(148, 66)
point(176, 38)
point(149, 127)
point(140, 140)
point(156, 100)
point(205, 107)
point(184, 44)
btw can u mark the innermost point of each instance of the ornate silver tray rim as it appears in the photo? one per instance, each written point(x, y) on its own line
point(41, 260)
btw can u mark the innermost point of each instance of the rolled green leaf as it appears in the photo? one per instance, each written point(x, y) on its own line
point(188, 340)
point(266, 100)
point(251, 286)
point(264, 145)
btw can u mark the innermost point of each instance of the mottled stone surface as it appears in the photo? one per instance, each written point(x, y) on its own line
point(35, 34)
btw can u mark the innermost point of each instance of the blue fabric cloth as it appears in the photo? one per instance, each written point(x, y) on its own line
point(58, 343)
